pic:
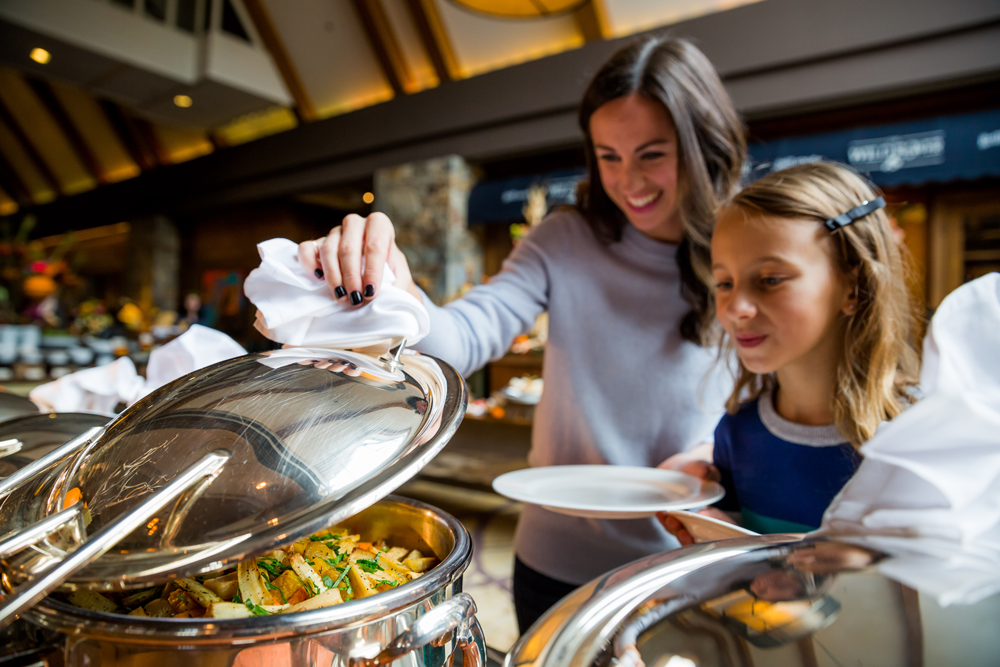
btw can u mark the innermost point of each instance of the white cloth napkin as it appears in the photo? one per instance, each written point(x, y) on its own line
point(194, 349)
point(297, 309)
point(100, 389)
point(928, 491)
point(97, 389)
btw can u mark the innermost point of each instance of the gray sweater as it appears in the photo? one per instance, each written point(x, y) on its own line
point(621, 386)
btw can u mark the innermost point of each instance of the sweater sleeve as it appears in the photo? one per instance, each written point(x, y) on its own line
point(480, 327)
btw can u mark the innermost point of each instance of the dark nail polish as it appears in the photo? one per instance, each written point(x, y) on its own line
point(369, 291)
point(318, 273)
point(340, 292)
point(356, 298)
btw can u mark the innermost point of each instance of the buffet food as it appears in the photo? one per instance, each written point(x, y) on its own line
point(321, 570)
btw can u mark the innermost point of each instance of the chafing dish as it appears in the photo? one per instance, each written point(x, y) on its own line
point(768, 600)
point(230, 462)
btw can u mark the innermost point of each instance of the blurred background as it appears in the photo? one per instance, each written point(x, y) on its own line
point(146, 146)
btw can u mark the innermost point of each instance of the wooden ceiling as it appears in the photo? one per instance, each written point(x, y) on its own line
point(58, 139)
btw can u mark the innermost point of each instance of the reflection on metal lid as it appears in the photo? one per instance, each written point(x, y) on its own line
point(314, 436)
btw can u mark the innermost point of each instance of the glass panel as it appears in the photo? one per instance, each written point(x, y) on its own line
point(156, 9)
point(186, 10)
point(231, 22)
point(982, 243)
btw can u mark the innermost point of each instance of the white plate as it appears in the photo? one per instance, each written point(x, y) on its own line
point(607, 492)
point(706, 529)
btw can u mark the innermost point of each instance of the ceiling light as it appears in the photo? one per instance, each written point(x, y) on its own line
point(40, 56)
point(368, 197)
point(183, 101)
point(521, 9)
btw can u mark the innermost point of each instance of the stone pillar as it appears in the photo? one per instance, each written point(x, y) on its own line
point(152, 269)
point(428, 203)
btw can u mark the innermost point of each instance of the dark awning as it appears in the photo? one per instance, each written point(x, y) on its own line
point(960, 147)
point(949, 148)
point(503, 201)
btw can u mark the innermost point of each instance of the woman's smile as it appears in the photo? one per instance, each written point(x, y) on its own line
point(644, 203)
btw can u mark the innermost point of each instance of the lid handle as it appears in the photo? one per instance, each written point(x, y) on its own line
point(434, 628)
point(47, 526)
point(37, 466)
point(391, 358)
point(100, 542)
point(10, 447)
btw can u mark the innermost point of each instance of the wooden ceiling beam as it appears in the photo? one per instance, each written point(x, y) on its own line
point(128, 135)
point(43, 168)
point(43, 91)
point(13, 185)
point(385, 45)
point(304, 108)
point(152, 142)
point(435, 39)
point(592, 19)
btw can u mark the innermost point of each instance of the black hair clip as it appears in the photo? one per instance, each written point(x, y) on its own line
point(844, 219)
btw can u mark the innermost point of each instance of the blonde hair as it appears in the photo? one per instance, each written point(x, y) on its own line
point(879, 362)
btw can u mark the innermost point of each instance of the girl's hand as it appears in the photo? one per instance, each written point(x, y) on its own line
point(339, 256)
point(694, 463)
point(677, 529)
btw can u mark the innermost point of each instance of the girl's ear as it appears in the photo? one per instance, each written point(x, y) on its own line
point(851, 302)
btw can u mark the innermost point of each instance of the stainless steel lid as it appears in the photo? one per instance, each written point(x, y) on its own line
point(24, 440)
point(236, 459)
point(12, 405)
point(769, 600)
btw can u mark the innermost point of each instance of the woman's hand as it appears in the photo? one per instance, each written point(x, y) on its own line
point(359, 242)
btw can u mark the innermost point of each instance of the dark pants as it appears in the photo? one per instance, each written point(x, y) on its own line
point(535, 593)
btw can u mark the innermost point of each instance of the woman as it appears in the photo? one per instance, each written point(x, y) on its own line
point(623, 279)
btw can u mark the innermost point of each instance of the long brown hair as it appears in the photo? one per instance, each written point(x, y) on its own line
point(712, 149)
point(879, 362)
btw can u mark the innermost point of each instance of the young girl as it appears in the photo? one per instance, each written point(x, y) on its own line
point(809, 287)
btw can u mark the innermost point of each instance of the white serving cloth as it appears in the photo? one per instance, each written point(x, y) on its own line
point(193, 350)
point(97, 389)
point(297, 309)
point(928, 491)
point(100, 389)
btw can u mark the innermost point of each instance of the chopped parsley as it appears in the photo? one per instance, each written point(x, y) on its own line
point(311, 587)
point(256, 609)
point(180, 596)
point(387, 582)
point(368, 565)
point(271, 587)
point(343, 573)
point(236, 598)
point(333, 562)
point(327, 581)
point(324, 537)
point(273, 566)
